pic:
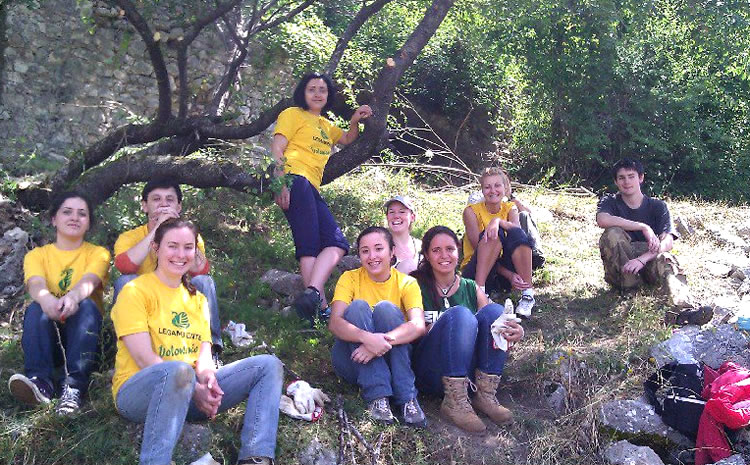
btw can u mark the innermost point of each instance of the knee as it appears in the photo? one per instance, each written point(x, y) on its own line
point(357, 310)
point(88, 307)
point(489, 313)
point(612, 236)
point(272, 366)
point(34, 311)
point(180, 375)
point(386, 311)
point(459, 314)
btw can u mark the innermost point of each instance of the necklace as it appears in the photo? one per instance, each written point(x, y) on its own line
point(446, 290)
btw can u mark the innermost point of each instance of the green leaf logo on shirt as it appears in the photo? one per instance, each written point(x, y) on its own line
point(180, 320)
point(323, 134)
point(65, 277)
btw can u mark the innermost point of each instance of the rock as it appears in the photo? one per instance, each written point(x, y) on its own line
point(12, 251)
point(637, 418)
point(194, 442)
point(567, 364)
point(349, 262)
point(724, 237)
point(284, 282)
point(683, 227)
point(713, 346)
point(557, 397)
point(316, 454)
point(744, 231)
point(625, 453)
point(738, 273)
point(744, 288)
point(718, 269)
point(736, 459)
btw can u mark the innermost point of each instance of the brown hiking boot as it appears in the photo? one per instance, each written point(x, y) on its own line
point(486, 399)
point(456, 407)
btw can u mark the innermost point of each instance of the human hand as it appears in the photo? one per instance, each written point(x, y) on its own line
point(651, 239)
point(517, 282)
point(282, 198)
point(513, 331)
point(362, 355)
point(161, 215)
point(207, 397)
point(363, 112)
point(633, 266)
point(51, 307)
point(492, 230)
point(68, 306)
point(378, 343)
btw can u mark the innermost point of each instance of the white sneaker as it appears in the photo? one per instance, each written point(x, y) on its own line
point(523, 309)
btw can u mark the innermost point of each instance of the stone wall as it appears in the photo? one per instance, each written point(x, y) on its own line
point(65, 82)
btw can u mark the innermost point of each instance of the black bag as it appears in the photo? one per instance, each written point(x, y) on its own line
point(675, 393)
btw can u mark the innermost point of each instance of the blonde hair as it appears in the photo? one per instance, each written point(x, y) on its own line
point(494, 171)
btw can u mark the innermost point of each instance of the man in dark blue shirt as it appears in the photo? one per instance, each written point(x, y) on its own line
point(638, 236)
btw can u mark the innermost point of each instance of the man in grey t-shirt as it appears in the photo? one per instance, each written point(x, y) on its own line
point(638, 236)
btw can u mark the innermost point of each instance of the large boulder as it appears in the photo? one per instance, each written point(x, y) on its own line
point(631, 418)
point(12, 251)
point(625, 453)
point(283, 282)
point(713, 346)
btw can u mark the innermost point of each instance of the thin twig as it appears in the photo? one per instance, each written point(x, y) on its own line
point(62, 350)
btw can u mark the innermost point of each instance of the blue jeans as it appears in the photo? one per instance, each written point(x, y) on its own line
point(80, 337)
point(386, 376)
point(205, 285)
point(161, 397)
point(457, 342)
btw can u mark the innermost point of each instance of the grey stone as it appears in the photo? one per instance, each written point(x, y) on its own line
point(283, 282)
point(738, 273)
point(316, 454)
point(625, 453)
point(683, 227)
point(717, 269)
point(12, 251)
point(736, 459)
point(713, 346)
point(744, 288)
point(636, 417)
point(349, 262)
point(744, 231)
point(194, 442)
point(20, 67)
point(557, 397)
point(724, 237)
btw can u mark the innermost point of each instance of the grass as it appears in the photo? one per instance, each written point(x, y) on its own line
point(590, 339)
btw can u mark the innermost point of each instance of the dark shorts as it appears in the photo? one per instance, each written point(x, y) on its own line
point(312, 224)
point(511, 240)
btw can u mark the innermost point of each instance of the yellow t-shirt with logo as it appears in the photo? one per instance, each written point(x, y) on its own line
point(400, 289)
point(132, 237)
point(62, 269)
point(483, 219)
point(176, 321)
point(310, 140)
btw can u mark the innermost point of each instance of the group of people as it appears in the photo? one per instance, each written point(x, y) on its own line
point(406, 321)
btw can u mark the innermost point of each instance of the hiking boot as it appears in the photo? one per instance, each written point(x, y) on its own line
point(324, 315)
point(523, 309)
point(695, 316)
point(413, 414)
point(30, 391)
point(256, 460)
point(486, 399)
point(70, 401)
point(456, 407)
point(380, 410)
point(307, 304)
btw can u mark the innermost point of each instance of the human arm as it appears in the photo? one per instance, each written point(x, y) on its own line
point(513, 219)
point(666, 242)
point(522, 207)
point(410, 330)
point(82, 290)
point(482, 299)
point(607, 220)
point(37, 286)
point(471, 226)
point(351, 135)
point(376, 344)
point(201, 264)
point(516, 281)
point(278, 146)
point(208, 394)
point(140, 350)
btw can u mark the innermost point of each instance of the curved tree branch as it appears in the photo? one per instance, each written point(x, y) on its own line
point(197, 26)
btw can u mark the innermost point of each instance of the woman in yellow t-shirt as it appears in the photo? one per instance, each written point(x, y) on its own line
point(376, 314)
point(65, 281)
point(503, 250)
point(164, 373)
point(302, 143)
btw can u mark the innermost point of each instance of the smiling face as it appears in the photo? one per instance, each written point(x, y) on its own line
point(376, 253)
point(72, 218)
point(628, 181)
point(442, 254)
point(161, 199)
point(176, 252)
point(399, 217)
point(316, 95)
point(493, 188)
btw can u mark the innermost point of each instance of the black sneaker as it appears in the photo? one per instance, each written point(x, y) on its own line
point(70, 401)
point(413, 414)
point(31, 391)
point(380, 410)
point(307, 304)
point(324, 315)
point(216, 357)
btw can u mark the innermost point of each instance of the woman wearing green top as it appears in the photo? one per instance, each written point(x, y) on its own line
point(458, 343)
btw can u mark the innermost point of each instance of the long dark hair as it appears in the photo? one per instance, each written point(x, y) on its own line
point(60, 198)
point(424, 273)
point(174, 223)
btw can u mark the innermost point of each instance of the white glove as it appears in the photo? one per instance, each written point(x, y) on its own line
point(306, 398)
point(286, 406)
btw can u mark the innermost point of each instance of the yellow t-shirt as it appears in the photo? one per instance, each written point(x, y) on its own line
point(62, 269)
point(310, 140)
point(400, 289)
point(483, 219)
point(176, 321)
point(130, 238)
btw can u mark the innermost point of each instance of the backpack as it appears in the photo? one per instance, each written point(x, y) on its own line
point(675, 393)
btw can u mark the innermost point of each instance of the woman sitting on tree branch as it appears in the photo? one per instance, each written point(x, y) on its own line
point(301, 146)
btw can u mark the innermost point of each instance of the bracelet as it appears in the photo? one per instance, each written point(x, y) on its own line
point(641, 261)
